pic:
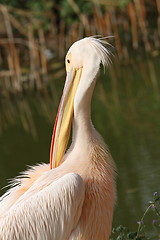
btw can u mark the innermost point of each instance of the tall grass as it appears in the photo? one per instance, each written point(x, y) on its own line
point(27, 37)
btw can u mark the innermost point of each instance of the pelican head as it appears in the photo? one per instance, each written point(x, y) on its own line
point(82, 64)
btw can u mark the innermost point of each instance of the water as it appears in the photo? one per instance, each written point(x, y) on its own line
point(125, 110)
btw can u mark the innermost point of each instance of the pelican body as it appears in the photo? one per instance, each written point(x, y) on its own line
point(73, 197)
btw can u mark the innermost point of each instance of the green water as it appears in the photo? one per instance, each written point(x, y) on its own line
point(125, 110)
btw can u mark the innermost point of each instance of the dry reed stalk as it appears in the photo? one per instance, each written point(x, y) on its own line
point(66, 41)
point(32, 57)
point(13, 51)
point(6, 41)
point(134, 29)
point(80, 31)
point(11, 69)
point(87, 28)
point(116, 32)
point(158, 20)
point(18, 11)
point(5, 73)
point(143, 8)
point(71, 35)
point(61, 42)
point(100, 24)
point(28, 14)
point(92, 28)
point(37, 63)
point(17, 69)
point(158, 6)
point(103, 25)
point(142, 23)
point(42, 54)
point(10, 36)
point(34, 63)
point(126, 28)
point(74, 32)
point(10, 61)
point(54, 32)
point(17, 25)
point(99, 18)
point(76, 9)
point(108, 24)
point(95, 23)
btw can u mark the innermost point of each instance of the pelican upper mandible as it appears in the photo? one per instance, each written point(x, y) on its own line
point(73, 197)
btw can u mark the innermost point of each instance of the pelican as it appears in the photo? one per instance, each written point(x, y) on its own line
point(73, 197)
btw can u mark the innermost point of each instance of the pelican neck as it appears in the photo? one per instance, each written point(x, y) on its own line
point(82, 123)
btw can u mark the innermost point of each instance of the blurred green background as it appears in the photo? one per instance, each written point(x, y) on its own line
point(34, 37)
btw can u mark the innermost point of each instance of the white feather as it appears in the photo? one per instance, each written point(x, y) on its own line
point(50, 214)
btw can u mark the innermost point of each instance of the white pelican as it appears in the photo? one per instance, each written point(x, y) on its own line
point(72, 198)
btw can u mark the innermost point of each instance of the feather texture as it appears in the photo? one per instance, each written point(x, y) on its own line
point(50, 214)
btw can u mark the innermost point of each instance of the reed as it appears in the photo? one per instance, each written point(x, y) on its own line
point(23, 42)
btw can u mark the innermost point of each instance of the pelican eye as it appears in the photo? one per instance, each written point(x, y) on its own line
point(68, 62)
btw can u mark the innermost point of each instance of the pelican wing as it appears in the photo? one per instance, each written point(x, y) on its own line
point(50, 214)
